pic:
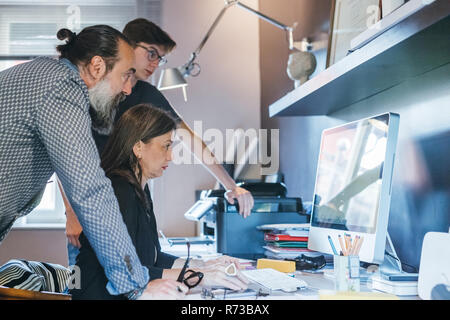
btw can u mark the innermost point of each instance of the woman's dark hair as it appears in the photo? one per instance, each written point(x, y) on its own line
point(142, 122)
point(142, 30)
point(99, 40)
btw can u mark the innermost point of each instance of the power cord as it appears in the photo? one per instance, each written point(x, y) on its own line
point(415, 270)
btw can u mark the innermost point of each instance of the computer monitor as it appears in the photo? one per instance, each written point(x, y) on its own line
point(353, 185)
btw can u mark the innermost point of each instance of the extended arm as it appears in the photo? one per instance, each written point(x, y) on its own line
point(244, 197)
point(73, 226)
point(65, 130)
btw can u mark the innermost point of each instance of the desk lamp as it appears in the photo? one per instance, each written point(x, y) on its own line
point(175, 77)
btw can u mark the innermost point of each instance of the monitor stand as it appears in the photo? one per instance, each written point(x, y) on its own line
point(391, 263)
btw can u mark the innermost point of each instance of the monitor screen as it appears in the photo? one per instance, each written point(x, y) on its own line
point(353, 185)
point(350, 169)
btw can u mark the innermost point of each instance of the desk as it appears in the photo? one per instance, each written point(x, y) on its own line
point(19, 294)
point(318, 283)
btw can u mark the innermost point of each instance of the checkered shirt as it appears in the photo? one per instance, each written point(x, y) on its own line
point(45, 127)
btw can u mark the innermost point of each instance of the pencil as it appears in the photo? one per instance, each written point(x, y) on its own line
point(350, 245)
point(347, 243)
point(359, 245)
point(355, 245)
point(332, 245)
point(341, 243)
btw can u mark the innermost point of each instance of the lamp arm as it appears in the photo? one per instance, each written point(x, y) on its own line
point(274, 22)
point(211, 29)
point(187, 68)
point(263, 16)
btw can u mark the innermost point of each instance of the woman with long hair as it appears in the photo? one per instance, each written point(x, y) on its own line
point(140, 149)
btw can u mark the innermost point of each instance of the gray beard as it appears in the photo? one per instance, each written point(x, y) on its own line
point(103, 107)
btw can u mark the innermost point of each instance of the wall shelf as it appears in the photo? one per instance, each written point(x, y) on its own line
point(416, 45)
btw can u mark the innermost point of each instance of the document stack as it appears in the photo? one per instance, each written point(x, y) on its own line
point(286, 241)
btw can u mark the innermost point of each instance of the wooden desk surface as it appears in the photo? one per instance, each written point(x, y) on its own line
point(19, 294)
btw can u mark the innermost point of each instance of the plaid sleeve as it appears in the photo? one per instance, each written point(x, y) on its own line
point(64, 127)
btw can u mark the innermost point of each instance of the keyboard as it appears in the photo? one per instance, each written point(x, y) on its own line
point(273, 279)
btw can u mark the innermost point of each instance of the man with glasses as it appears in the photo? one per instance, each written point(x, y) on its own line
point(151, 45)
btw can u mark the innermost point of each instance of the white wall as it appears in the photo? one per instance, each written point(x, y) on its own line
point(37, 245)
point(226, 95)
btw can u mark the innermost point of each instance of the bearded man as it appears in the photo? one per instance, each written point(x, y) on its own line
point(46, 106)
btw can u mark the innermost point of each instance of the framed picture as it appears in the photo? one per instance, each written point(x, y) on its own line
point(388, 6)
point(348, 18)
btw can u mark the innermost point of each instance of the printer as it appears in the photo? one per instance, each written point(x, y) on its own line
point(222, 226)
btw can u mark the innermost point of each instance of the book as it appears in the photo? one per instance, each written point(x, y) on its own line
point(297, 233)
point(293, 230)
point(399, 288)
point(289, 244)
point(283, 237)
point(285, 227)
point(286, 250)
point(290, 255)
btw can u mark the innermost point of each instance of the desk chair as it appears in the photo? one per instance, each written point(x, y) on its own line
point(22, 279)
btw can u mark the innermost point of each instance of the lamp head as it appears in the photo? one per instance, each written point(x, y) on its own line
point(171, 78)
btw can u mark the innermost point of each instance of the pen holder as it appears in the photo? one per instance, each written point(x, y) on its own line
point(346, 273)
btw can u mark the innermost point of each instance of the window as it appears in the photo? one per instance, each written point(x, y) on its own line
point(28, 29)
point(50, 210)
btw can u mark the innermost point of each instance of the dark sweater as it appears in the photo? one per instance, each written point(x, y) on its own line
point(141, 225)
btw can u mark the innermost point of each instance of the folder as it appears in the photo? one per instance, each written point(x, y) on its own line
point(283, 237)
point(289, 244)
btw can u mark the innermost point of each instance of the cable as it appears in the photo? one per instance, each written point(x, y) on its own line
point(402, 263)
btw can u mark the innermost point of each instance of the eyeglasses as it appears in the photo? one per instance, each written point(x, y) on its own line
point(153, 55)
point(189, 277)
point(192, 278)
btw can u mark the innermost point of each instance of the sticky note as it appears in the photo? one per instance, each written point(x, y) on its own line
point(280, 265)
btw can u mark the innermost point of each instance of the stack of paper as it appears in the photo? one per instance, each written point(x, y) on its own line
point(286, 241)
